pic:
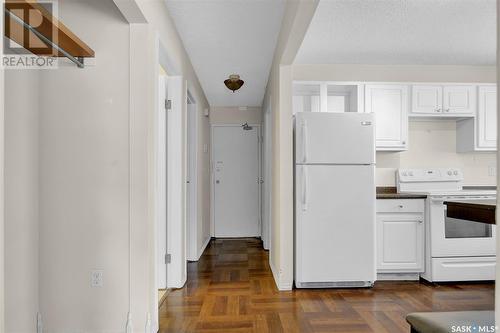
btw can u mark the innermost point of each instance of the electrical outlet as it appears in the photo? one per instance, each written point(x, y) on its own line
point(492, 171)
point(96, 278)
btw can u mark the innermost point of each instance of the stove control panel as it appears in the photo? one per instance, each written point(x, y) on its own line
point(430, 175)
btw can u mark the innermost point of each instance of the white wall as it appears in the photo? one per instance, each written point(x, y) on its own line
point(21, 200)
point(2, 212)
point(84, 134)
point(83, 141)
point(497, 290)
point(233, 115)
point(395, 73)
point(433, 144)
point(296, 19)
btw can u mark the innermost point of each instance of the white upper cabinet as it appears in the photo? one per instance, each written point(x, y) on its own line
point(459, 99)
point(332, 97)
point(427, 99)
point(306, 98)
point(487, 117)
point(390, 105)
point(480, 133)
point(443, 100)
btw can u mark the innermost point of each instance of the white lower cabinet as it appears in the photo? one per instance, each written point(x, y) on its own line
point(400, 237)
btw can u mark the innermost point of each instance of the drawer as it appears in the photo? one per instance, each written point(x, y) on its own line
point(400, 205)
point(463, 269)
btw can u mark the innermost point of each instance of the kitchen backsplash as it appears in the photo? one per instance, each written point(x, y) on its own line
point(433, 145)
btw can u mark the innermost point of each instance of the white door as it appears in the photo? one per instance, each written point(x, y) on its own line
point(389, 103)
point(400, 242)
point(427, 99)
point(459, 99)
point(176, 180)
point(352, 134)
point(335, 223)
point(267, 170)
point(487, 117)
point(236, 181)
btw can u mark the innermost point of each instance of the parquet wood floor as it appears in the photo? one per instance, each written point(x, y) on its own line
point(231, 289)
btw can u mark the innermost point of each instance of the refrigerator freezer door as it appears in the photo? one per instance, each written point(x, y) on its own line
point(335, 224)
point(334, 138)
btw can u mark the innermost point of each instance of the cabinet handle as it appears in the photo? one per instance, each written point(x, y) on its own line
point(420, 221)
point(400, 206)
point(447, 110)
point(438, 110)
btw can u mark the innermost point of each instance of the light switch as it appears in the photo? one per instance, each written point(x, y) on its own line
point(205, 148)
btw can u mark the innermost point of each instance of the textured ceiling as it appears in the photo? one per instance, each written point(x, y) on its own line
point(430, 32)
point(229, 36)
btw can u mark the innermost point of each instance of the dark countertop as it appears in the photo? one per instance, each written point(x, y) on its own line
point(482, 211)
point(392, 193)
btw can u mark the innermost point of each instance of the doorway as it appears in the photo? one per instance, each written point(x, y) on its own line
point(236, 180)
point(161, 183)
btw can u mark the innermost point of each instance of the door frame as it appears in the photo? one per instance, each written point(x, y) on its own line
point(266, 187)
point(192, 176)
point(212, 179)
point(161, 172)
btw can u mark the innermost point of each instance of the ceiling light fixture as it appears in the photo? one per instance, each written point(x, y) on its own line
point(234, 82)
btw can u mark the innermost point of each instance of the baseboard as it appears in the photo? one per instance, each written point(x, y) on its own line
point(398, 276)
point(164, 297)
point(281, 286)
point(203, 247)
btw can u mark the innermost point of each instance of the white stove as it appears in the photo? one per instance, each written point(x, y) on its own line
point(456, 250)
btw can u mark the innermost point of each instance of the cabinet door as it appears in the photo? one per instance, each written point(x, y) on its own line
point(487, 117)
point(459, 99)
point(400, 243)
point(390, 105)
point(427, 99)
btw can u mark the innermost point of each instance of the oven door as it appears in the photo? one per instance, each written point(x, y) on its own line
point(458, 238)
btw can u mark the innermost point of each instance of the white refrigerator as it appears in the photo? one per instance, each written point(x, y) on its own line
point(334, 200)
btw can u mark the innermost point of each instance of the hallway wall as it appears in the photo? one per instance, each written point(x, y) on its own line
point(21, 200)
point(84, 134)
point(234, 115)
point(179, 63)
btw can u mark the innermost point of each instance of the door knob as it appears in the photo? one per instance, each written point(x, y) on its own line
point(217, 181)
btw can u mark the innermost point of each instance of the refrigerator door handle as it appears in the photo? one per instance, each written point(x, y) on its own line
point(304, 142)
point(304, 188)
